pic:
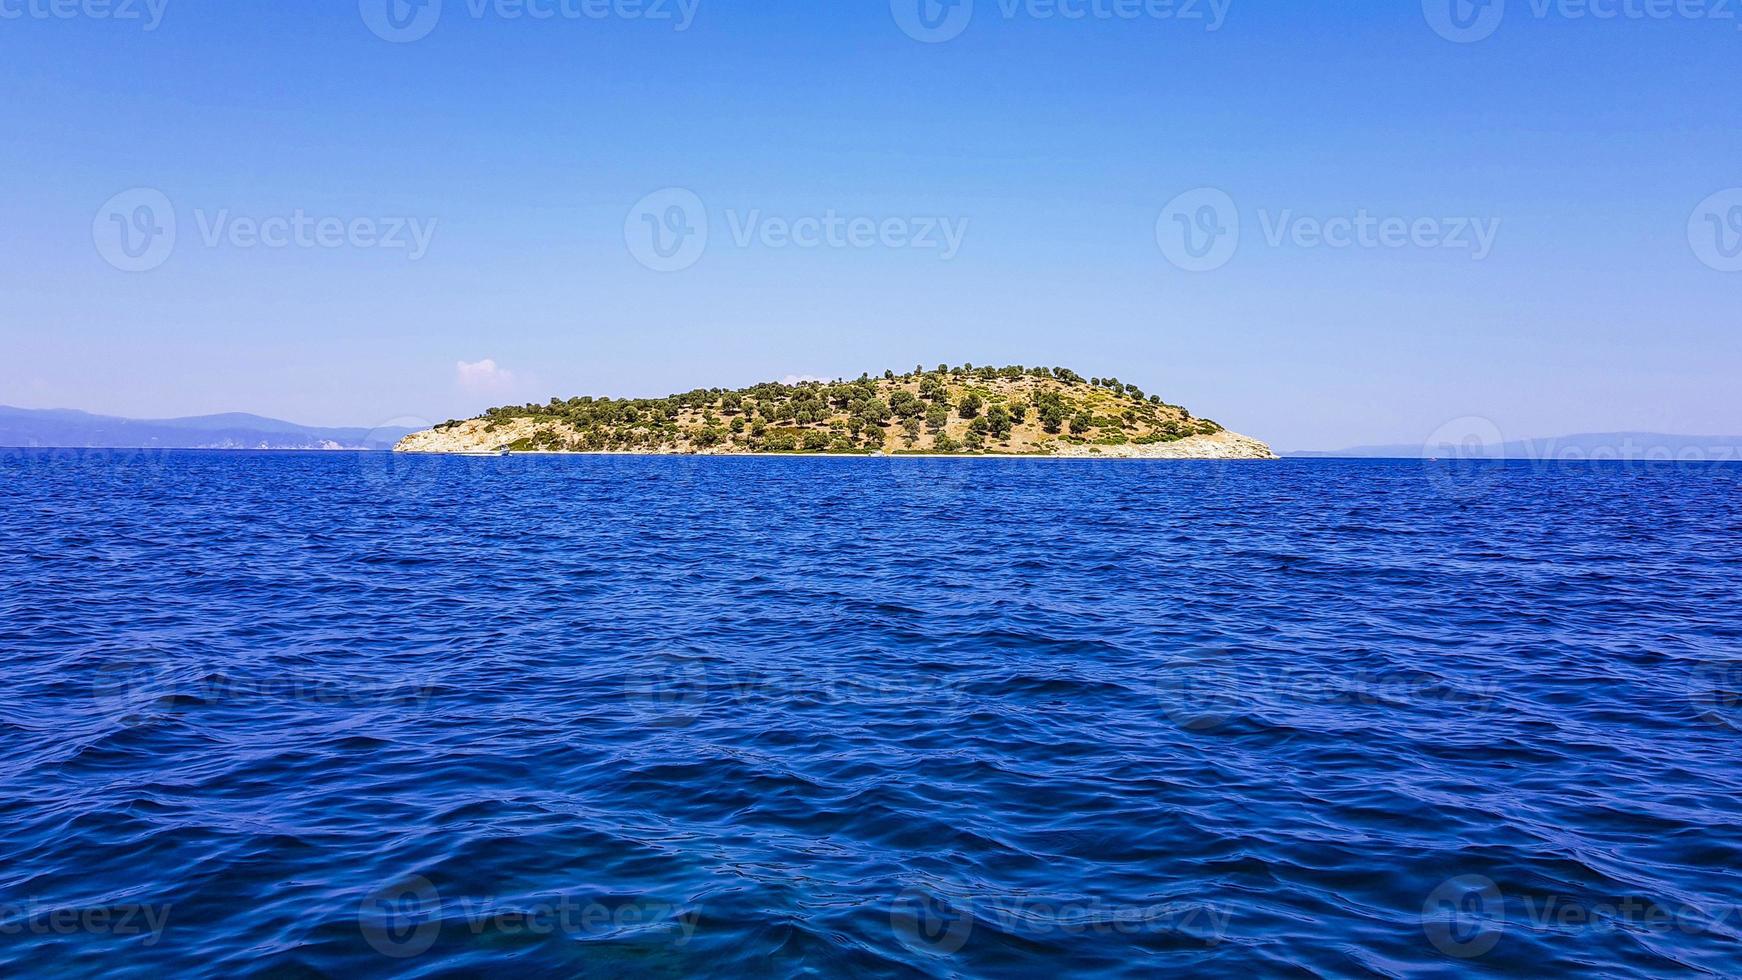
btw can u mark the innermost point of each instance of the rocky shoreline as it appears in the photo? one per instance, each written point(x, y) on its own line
point(477, 437)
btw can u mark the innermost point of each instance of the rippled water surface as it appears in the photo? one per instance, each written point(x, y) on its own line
point(341, 715)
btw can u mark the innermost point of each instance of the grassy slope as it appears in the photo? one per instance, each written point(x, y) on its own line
point(843, 417)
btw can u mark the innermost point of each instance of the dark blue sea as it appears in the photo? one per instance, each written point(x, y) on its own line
point(301, 715)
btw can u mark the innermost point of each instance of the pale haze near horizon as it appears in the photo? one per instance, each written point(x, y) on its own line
point(521, 147)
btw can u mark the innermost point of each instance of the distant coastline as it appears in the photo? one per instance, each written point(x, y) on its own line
point(1631, 446)
point(48, 429)
point(27, 428)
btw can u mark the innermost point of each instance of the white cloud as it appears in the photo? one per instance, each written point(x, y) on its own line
point(483, 376)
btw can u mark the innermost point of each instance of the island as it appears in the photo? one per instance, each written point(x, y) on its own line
point(947, 411)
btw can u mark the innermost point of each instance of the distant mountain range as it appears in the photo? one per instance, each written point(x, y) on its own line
point(65, 429)
point(1589, 445)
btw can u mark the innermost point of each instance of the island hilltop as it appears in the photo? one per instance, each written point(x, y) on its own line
point(967, 410)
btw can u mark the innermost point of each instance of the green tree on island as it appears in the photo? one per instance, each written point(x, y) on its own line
point(998, 422)
point(936, 417)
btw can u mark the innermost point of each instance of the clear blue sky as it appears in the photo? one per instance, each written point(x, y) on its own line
point(1058, 141)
